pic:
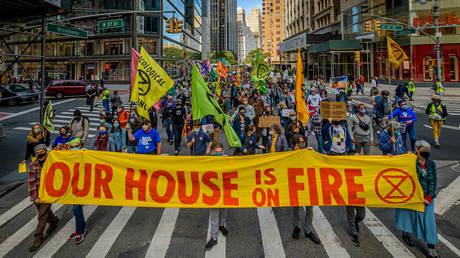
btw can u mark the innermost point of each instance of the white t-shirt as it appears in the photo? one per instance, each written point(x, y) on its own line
point(314, 100)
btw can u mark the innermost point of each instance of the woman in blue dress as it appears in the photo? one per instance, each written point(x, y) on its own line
point(421, 224)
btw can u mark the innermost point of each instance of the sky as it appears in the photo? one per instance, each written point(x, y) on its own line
point(248, 4)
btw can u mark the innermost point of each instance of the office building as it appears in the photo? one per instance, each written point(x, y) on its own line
point(272, 28)
point(254, 22)
point(223, 26)
point(246, 40)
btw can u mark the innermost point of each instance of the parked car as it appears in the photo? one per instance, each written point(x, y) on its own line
point(61, 88)
point(13, 94)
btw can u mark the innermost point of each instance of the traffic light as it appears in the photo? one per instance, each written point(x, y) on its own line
point(377, 26)
point(178, 26)
point(369, 26)
point(170, 25)
point(357, 56)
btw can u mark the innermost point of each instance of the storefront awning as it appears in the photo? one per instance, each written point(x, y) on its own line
point(335, 45)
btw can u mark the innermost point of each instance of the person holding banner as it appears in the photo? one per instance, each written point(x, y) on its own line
point(241, 122)
point(103, 141)
point(45, 214)
point(64, 136)
point(338, 140)
point(248, 142)
point(118, 135)
point(391, 142)
point(218, 217)
point(148, 139)
point(421, 224)
point(198, 141)
point(36, 137)
point(277, 141)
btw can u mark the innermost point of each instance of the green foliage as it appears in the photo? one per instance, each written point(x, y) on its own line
point(227, 55)
point(252, 55)
point(172, 52)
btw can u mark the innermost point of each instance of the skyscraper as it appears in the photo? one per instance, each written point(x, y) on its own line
point(223, 26)
point(272, 27)
point(246, 40)
point(255, 24)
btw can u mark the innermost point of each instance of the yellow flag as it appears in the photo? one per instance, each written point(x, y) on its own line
point(301, 107)
point(218, 87)
point(22, 168)
point(396, 54)
point(151, 83)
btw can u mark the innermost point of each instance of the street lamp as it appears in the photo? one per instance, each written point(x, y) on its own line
point(437, 36)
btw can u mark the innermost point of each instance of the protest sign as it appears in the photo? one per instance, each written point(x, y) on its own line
point(335, 110)
point(268, 121)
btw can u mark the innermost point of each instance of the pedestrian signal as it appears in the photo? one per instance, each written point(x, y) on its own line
point(357, 56)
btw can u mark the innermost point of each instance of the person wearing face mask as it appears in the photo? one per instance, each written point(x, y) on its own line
point(391, 141)
point(79, 126)
point(115, 101)
point(118, 135)
point(103, 121)
point(178, 122)
point(148, 139)
point(218, 217)
point(249, 110)
point(102, 142)
point(241, 122)
point(293, 126)
point(166, 118)
point(337, 139)
point(277, 141)
point(248, 142)
point(360, 126)
point(437, 114)
point(63, 138)
point(314, 125)
point(123, 116)
point(380, 110)
point(198, 141)
point(421, 224)
point(133, 126)
point(264, 132)
point(313, 99)
point(45, 214)
point(406, 118)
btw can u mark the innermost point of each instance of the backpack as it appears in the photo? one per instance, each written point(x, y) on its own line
point(84, 118)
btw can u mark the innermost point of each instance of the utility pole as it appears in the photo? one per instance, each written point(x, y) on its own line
point(438, 36)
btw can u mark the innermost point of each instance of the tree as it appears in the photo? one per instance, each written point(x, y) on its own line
point(173, 52)
point(227, 55)
point(252, 55)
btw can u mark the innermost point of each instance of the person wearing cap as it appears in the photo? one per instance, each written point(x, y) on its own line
point(45, 214)
point(437, 114)
point(391, 141)
point(406, 118)
point(198, 141)
point(381, 108)
point(79, 126)
point(148, 139)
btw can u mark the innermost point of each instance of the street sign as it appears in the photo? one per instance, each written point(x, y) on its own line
point(405, 32)
point(366, 36)
point(110, 24)
point(390, 27)
point(67, 31)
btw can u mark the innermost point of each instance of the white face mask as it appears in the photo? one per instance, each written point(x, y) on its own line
point(245, 102)
point(37, 130)
point(271, 133)
point(145, 127)
point(196, 130)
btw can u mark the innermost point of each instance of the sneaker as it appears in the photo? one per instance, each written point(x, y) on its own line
point(223, 230)
point(212, 242)
point(296, 233)
point(432, 253)
point(52, 226)
point(36, 244)
point(355, 240)
point(79, 239)
point(437, 145)
point(176, 152)
point(408, 240)
point(313, 238)
point(73, 235)
point(171, 142)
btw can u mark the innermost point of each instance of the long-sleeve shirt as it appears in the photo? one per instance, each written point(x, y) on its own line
point(404, 116)
point(427, 178)
point(250, 112)
point(387, 146)
point(34, 179)
point(314, 100)
point(355, 129)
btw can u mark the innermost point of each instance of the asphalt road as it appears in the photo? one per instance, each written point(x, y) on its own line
point(141, 232)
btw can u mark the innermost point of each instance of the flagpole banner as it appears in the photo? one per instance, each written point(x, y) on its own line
point(151, 83)
point(301, 107)
point(221, 69)
point(134, 62)
point(295, 178)
point(48, 118)
point(396, 54)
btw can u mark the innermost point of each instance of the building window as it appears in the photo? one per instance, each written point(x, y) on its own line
point(453, 68)
point(428, 68)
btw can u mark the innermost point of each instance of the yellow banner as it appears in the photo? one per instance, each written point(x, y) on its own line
point(151, 83)
point(296, 178)
point(396, 54)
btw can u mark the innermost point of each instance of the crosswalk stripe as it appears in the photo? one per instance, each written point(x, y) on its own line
point(445, 126)
point(15, 210)
point(106, 240)
point(71, 117)
point(449, 245)
point(162, 237)
point(271, 238)
point(12, 241)
point(61, 237)
point(329, 239)
point(385, 236)
point(447, 196)
point(86, 114)
point(218, 250)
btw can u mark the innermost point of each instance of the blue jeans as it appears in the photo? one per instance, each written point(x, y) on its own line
point(169, 132)
point(106, 105)
point(132, 149)
point(410, 130)
point(91, 104)
point(319, 140)
point(228, 103)
point(80, 224)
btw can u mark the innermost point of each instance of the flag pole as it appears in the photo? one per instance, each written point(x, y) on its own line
point(389, 95)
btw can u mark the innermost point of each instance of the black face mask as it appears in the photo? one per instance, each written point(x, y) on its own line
point(336, 122)
point(41, 155)
point(425, 154)
point(63, 134)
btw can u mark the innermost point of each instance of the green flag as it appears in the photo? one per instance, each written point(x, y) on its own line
point(261, 69)
point(213, 74)
point(48, 118)
point(204, 104)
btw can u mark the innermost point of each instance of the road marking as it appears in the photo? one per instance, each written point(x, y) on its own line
point(22, 233)
point(449, 245)
point(87, 114)
point(13, 211)
point(162, 237)
point(329, 239)
point(71, 117)
point(445, 126)
point(55, 132)
point(33, 109)
point(106, 240)
point(385, 236)
point(447, 197)
point(221, 247)
point(62, 236)
point(271, 239)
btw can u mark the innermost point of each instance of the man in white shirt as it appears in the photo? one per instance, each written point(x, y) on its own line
point(374, 86)
point(313, 99)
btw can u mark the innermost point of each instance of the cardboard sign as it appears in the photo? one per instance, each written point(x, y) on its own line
point(336, 110)
point(268, 121)
point(285, 112)
point(208, 128)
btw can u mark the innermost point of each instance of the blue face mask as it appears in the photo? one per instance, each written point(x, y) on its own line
point(363, 111)
point(218, 154)
point(75, 148)
point(101, 121)
point(292, 118)
point(396, 132)
point(116, 125)
point(403, 107)
point(131, 120)
point(102, 132)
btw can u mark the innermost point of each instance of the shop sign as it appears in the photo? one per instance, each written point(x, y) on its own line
point(429, 22)
point(293, 44)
